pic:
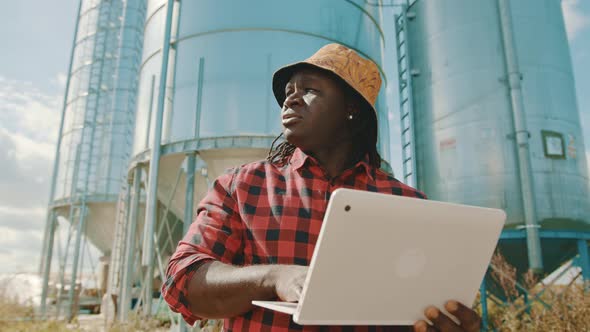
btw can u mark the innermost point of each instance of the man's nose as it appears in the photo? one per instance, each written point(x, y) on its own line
point(293, 99)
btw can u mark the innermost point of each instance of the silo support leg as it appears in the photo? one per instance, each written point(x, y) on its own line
point(71, 309)
point(161, 271)
point(48, 251)
point(129, 267)
point(188, 209)
point(483, 297)
point(584, 260)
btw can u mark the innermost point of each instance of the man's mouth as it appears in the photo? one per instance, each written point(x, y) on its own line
point(290, 118)
point(288, 121)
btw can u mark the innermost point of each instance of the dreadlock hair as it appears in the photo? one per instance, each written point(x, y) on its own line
point(363, 131)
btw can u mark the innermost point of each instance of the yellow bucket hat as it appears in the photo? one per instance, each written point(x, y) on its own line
point(359, 73)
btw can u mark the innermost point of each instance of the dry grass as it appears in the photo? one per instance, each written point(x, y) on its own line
point(21, 318)
point(138, 323)
point(15, 317)
point(567, 309)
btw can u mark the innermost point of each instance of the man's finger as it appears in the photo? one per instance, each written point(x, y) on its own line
point(470, 320)
point(422, 326)
point(441, 321)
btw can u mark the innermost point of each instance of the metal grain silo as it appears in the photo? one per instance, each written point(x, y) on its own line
point(205, 100)
point(94, 141)
point(495, 120)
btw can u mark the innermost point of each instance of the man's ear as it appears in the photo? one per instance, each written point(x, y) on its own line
point(352, 108)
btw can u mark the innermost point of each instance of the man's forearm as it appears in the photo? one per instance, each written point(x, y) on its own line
point(219, 290)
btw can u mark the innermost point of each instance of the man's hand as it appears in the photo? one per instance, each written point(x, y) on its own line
point(219, 290)
point(288, 281)
point(469, 319)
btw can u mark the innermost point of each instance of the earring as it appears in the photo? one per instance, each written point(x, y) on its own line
point(349, 116)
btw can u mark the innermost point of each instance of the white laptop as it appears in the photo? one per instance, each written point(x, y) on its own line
point(382, 259)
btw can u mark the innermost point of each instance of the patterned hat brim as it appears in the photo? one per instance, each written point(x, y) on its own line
point(282, 76)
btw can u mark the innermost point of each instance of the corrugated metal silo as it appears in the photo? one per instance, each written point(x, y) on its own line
point(217, 105)
point(97, 125)
point(466, 93)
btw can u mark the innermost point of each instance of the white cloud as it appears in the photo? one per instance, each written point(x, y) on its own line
point(24, 175)
point(29, 120)
point(27, 148)
point(575, 19)
point(21, 249)
point(29, 112)
point(29, 124)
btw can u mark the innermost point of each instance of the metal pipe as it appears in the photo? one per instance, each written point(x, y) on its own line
point(521, 138)
point(152, 198)
point(191, 160)
point(126, 285)
point(150, 109)
point(199, 97)
point(48, 235)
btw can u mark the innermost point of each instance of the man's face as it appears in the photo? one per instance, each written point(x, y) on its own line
point(314, 113)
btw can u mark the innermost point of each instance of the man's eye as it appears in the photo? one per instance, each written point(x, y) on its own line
point(310, 90)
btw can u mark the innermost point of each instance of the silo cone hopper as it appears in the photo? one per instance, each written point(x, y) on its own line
point(99, 223)
point(213, 163)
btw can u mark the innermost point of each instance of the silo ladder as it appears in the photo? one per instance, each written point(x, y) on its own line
point(405, 96)
point(119, 241)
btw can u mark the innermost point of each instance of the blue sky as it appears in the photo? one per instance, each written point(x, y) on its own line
point(36, 38)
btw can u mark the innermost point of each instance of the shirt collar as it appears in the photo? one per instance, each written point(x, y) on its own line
point(299, 159)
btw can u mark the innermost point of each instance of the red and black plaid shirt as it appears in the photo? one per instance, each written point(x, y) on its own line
point(261, 213)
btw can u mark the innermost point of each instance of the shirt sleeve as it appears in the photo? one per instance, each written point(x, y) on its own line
point(216, 234)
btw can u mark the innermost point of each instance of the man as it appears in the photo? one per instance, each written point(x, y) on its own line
point(256, 229)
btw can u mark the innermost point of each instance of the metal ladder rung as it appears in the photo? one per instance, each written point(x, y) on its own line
point(407, 159)
point(405, 130)
point(407, 144)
